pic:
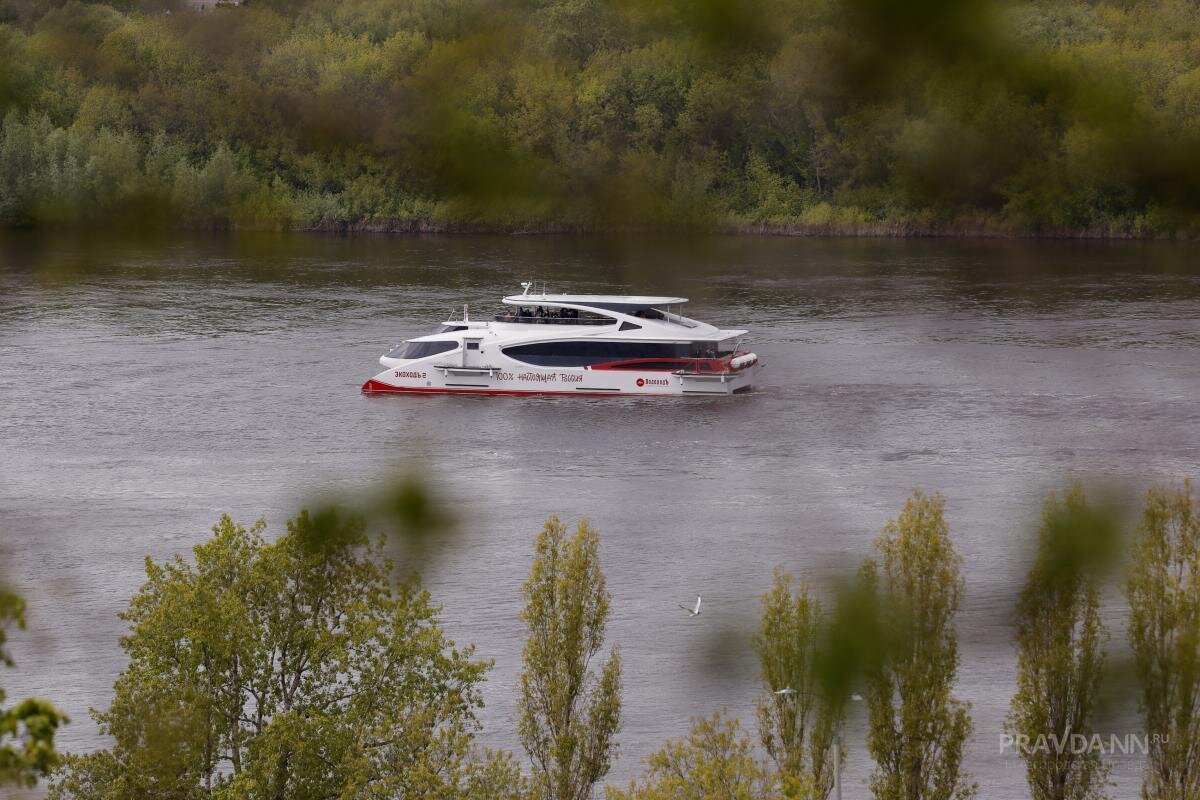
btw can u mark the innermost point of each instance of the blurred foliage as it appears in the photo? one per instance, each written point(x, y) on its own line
point(853, 644)
point(276, 669)
point(414, 513)
point(1060, 639)
point(27, 730)
point(888, 115)
point(1078, 541)
point(888, 632)
point(416, 525)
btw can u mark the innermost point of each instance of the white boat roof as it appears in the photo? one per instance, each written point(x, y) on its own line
point(638, 301)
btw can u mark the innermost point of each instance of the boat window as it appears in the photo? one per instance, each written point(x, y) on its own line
point(712, 349)
point(633, 309)
point(629, 326)
point(535, 314)
point(587, 353)
point(727, 347)
point(448, 328)
point(472, 345)
point(422, 349)
point(664, 365)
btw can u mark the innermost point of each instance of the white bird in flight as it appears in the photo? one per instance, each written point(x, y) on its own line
point(692, 612)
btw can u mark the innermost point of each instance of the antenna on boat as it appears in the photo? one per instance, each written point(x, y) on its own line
point(466, 316)
point(525, 285)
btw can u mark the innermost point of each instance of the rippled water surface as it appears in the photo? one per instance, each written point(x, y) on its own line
point(148, 386)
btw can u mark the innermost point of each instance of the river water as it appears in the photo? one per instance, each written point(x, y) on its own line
point(147, 386)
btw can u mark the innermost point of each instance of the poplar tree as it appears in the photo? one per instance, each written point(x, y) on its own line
point(1060, 662)
point(1164, 632)
point(796, 723)
point(569, 715)
point(917, 728)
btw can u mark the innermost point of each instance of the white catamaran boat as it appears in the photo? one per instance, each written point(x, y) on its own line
point(579, 344)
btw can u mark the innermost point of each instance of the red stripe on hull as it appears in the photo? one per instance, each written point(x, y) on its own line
point(375, 387)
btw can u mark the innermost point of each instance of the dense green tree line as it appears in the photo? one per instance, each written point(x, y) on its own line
point(841, 115)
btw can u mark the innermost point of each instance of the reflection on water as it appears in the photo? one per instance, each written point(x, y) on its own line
point(148, 386)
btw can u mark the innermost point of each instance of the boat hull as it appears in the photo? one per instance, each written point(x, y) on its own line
point(560, 381)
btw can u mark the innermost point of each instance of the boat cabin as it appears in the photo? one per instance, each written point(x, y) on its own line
point(644, 333)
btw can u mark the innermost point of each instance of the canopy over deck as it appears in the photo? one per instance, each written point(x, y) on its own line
point(613, 302)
